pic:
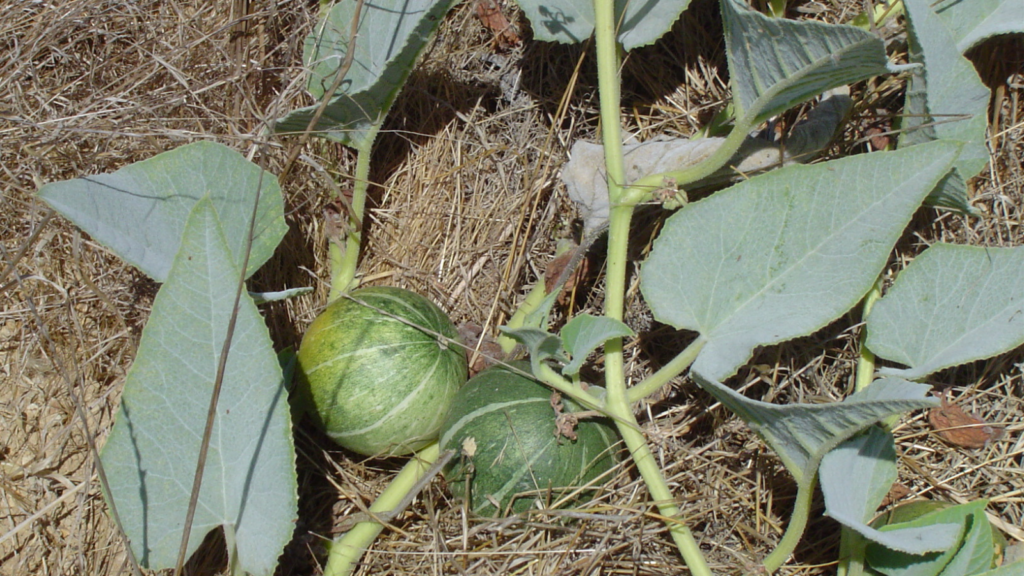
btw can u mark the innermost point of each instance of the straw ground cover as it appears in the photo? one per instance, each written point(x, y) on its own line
point(467, 209)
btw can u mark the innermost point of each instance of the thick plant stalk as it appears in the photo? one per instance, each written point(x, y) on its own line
point(344, 262)
point(346, 551)
point(616, 403)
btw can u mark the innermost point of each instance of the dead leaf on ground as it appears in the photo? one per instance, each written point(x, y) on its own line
point(491, 16)
point(482, 350)
point(959, 428)
point(896, 493)
point(554, 270)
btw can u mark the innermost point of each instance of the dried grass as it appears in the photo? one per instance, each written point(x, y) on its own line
point(466, 209)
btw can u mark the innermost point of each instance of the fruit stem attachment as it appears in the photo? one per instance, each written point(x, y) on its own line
point(343, 262)
point(553, 379)
point(347, 550)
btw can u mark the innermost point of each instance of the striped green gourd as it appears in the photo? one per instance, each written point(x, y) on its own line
point(373, 373)
point(515, 458)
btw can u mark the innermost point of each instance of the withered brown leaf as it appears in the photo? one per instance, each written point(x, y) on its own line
point(556, 267)
point(959, 428)
point(493, 19)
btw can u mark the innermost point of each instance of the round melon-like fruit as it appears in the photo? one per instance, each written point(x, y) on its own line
point(502, 429)
point(375, 376)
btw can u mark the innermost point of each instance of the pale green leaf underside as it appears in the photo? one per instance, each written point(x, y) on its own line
point(139, 211)
point(801, 434)
point(952, 305)
point(945, 100)
point(781, 255)
point(856, 476)
point(572, 21)
point(584, 333)
point(391, 35)
point(973, 21)
point(777, 63)
point(971, 555)
point(151, 454)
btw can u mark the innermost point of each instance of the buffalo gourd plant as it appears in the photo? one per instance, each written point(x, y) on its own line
point(202, 439)
point(774, 257)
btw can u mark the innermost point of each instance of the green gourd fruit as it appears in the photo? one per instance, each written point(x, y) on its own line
point(507, 455)
point(375, 375)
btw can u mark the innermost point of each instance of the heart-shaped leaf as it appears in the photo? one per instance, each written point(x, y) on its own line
point(249, 484)
point(951, 305)
point(972, 554)
point(139, 211)
point(389, 39)
point(783, 254)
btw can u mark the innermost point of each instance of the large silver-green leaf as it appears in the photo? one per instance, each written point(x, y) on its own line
point(952, 305)
point(776, 64)
point(139, 211)
point(945, 100)
point(640, 22)
point(801, 434)
point(856, 476)
point(972, 21)
point(783, 254)
point(390, 37)
point(150, 457)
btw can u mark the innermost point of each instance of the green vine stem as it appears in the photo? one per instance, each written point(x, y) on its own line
point(706, 167)
point(344, 261)
point(853, 546)
point(548, 375)
point(532, 302)
point(346, 551)
point(666, 373)
point(617, 405)
point(647, 465)
point(795, 529)
point(866, 360)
